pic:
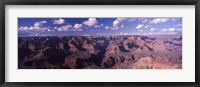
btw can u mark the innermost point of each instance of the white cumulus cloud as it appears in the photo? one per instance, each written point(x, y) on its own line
point(99, 26)
point(140, 26)
point(145, 20)
point(39, 23)
point(159, 20)
point(164, 29)
point(59, 21)
point(131, 19)
point(36, 26)
point(90, 22)
point(63, 28)
point(153, 29)
point(78, 26)
point(23, 28)
point(172, 29)
point(107, 27)
point(117, 22)
point(162, 20)
point(121, 19)
point(147, 26)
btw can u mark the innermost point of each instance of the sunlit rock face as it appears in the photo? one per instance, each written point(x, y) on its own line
point(100, 52)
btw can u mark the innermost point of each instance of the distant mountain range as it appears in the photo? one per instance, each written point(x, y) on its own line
point(100, 52)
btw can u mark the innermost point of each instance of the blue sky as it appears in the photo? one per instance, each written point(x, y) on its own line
point(99, 26)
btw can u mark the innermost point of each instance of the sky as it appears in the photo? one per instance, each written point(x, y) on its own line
point(99, 26)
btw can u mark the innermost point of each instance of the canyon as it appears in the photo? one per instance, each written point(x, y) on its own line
point(100, 52)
